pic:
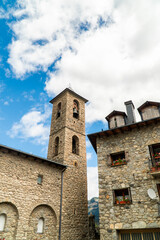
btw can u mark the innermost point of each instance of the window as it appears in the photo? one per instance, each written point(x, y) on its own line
point(122, 196)
point(56, 146)
point(116, 159)
point(75, 145)
point(2, 222)
point(39, 179)
point(155, 154)
point(75, 109)
point(143, 234)
point(40, 226)
point(58, 110)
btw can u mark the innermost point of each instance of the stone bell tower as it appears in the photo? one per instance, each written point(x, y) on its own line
point(67, 146)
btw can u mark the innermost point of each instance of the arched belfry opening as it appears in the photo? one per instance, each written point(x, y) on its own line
point(75, 109)
point(75, 145)
point(56, 146)
point(58, 110)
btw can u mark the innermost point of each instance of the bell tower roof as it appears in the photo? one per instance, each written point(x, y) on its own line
point(70, 91)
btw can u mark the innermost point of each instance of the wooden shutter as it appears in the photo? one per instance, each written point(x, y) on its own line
point(114, 197)
point(129, 192)
point(109, 160)
point(152, 155)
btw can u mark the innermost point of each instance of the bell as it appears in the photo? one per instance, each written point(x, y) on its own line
point(75, 110)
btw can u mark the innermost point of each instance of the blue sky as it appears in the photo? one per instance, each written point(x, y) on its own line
point(108, 51)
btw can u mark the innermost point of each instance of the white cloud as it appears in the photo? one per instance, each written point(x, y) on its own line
point(32, 126)
point(55, 23)
point(108, 65)
point(92, 179)
point(6, 103)
point(29, 95)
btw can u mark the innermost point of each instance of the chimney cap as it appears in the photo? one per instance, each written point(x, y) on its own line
point(129, 102)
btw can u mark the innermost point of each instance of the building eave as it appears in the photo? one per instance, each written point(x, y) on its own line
point(115, 113)
point(71, 91)
point(114, 131)
point(9, 149)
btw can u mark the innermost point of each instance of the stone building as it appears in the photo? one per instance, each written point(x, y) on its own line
point(46, 199)
point(129, 174)
point(67, 145)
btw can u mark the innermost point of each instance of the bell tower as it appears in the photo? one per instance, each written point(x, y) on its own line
point(67, 146)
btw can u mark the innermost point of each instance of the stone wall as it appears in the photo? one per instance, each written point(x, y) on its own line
point(24, 201)
point(150, 112)
point(75, 205)
point(142, 212)
point(116, 121)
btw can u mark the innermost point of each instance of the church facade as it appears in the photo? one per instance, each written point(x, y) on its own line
point(47, 198)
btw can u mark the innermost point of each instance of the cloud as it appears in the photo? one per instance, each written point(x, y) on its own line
point(92, 178)
point(29, 95)
point(47, 29)
point(107, 50)
point(6, 103)
point(32, 126)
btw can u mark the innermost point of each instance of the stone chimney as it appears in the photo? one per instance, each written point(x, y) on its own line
point(130, 112)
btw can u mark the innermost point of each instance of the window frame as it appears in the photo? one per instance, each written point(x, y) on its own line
point(76, 106)
point(75, 147)
point(59, 107)
point(117, 202)
point(40, 176)
point(112, 162)
point(155, 160)
point(56, 146)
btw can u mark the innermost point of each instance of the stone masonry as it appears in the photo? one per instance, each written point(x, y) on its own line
point(136, 216)
point(74, 206)
point(24, 201)
point(142, 213)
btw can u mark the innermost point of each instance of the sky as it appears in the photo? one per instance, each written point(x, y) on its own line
point(108, 51)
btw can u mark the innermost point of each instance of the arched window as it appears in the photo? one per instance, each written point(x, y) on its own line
point(58, 110)
point(40, 226)
point(75, 109)
point(75, 145)
point(56, 146)
point(2, 222)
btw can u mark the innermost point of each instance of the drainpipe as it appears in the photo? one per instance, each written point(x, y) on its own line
point(60, 216)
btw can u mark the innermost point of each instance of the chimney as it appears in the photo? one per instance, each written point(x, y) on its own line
point(130, 112)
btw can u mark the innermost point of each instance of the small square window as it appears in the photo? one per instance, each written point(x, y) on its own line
point(118, 159)
point(39, 179)
point(122, 196)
